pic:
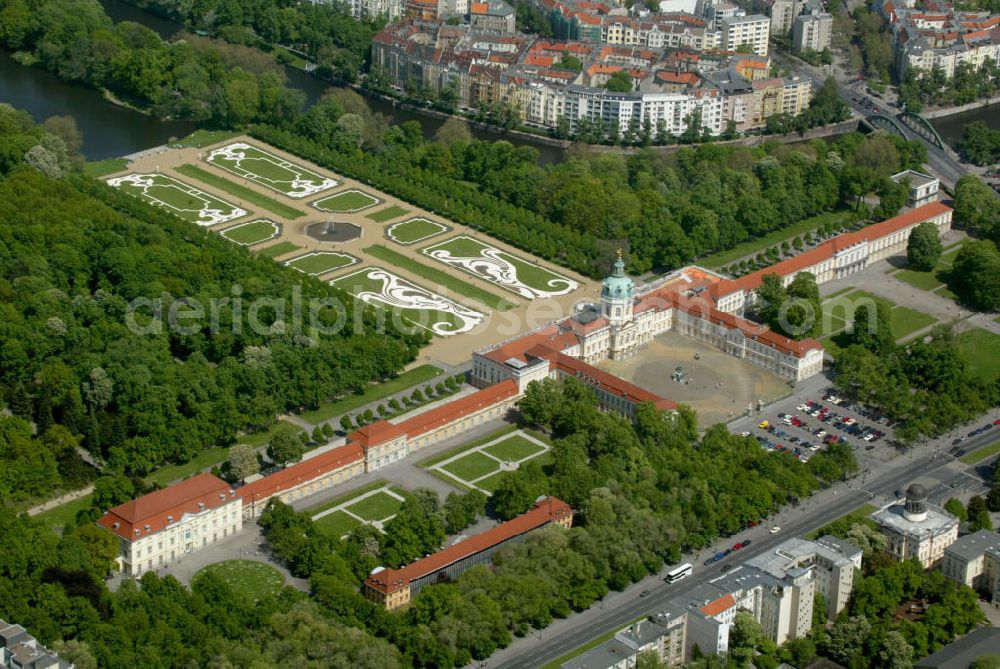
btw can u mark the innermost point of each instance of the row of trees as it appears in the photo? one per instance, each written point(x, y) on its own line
point(670, 210)
point(980, 144)
point(88, 365)
point(968, 84)
point(195, 78)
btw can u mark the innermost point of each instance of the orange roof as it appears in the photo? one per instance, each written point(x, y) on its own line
point(153, 512)
point(478, 8)
point(542, 61)
point(378, 432)
point(827, 249)
point(301, 472)
point(607, 382)
point(689, 78)
point(463, 406)
point(723, 603)
point(546, 511)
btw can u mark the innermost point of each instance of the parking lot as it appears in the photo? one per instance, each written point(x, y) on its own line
point(804, 424)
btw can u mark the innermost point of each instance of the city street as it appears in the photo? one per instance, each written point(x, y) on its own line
point(618, 609)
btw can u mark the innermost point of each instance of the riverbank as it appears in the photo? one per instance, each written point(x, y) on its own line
point(951, 111)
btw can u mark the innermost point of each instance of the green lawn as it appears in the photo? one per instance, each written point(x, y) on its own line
point(440, 279)
point(241, 192)
point(204, 460)
point(921, 280)
point(64, 513)
point(321, 262)
point(839, 311)
point(343, 499)
point(254, 232)
point(981, 453)
point(414, 230)
point(374, 393)
point(489, 263)
point(251, 580)
point(269, 170)
point(775, 237)
point(279, 249)
point(838, 293)
point(982, 351)
point(387, 214)
point(179, 198)
point(513, 448)
point(375, 507)
point(441, 457)
point(347, 202)
point(337, 523)
point(201, 138)
point(471, 466)
point(100, 168)
point(490, 483)
point(262, 438)
point(407, 304)
point(906, 321)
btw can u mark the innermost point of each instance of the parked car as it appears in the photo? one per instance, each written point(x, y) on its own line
point(726, 567)
point(718, 556)
point(644, 593)
point(746, 543)
point(774, 530)
point(763, 424)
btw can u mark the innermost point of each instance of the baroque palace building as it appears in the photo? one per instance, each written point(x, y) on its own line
point(168, 524)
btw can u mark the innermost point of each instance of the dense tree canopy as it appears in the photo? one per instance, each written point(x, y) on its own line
point(78, 353)
point(975, 275)
point(923, 248)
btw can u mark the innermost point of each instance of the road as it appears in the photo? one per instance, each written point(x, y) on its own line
point(621, 608)
point(944, 166)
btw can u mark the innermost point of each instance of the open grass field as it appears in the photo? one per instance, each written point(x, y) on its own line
point(439, 278)
point(514, 448)
point(202, 138)
point(179, 198)
point(413, 305)
point(981, 454)
point(321, 262)
point(100, 168)
point(414, 230)
point(472, 466)
point(241, 192)
point(204, 460)
point(338, 523)
point(906, 321)
point(838, 313)
point(374, 393)
point(347, 202)
point(271, 171)
point(387, 214)
point(57, 517)
point(981, 349)
point(441, 457)
point(922, 280)
point(251, 580)
point(935, 280)
point(343, 499)
point(775, 237)
point(279, 249)
point(503, 269)
point(375, 507)
point(252, 232)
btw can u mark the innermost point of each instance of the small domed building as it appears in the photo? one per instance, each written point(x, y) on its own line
point(916, 528)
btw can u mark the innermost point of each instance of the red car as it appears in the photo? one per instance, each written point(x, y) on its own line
point(996, 422)
point(796, 422)
point(737, 546)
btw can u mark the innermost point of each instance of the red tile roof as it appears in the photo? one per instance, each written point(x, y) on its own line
point(377, 433)
point(546, 511)
point(301, 472)
point(827, 249)
point(608, 382)
point(148, 514)
point(723, 603)
point(463, 406)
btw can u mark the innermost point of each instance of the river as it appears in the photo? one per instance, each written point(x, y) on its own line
point(110, 131)
point(951, 127)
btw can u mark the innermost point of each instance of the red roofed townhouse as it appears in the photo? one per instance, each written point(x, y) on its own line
point(158, 528)
point(393, 588)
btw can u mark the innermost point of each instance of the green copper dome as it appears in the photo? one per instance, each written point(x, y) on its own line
point(618, 285)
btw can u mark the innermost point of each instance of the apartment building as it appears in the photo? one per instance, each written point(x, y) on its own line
point(662, 635)
point(20, 650)
point(158, 528)
point(917, 529)
point(812, 32)
point(746, 34)
point(974, 560)
point(370, 9)
point(923, 187)
point(493, 16)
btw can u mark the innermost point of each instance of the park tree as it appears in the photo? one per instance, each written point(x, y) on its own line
point(771, 295)
point(101, 545)
point(956, 508)
point(975, 275)
point(317, 435)
point(346, 424)
point(243, 461)
point(285, 447)
point(328, 431)
point(845, 641)
point(894, 652)
point(987, 661)
point(979, 514)
point(872, 328)
point(977, 208)
point(803, 314)
point(746, 637)
point(923, 249)
point(110, 491)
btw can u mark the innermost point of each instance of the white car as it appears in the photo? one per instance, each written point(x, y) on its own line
point(802, 407)
point(775, 529)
